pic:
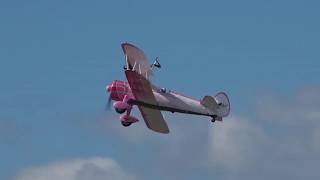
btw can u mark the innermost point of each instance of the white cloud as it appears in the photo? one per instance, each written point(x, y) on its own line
point(302, 108)
point(96, 168)
point(282, 141)
point(297, 118)
point(236, 143)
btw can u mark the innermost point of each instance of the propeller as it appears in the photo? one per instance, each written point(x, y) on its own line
point(108, 105)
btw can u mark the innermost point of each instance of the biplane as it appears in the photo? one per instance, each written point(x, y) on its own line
point(151, 100)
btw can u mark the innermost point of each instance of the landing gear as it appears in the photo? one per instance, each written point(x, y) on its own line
point(120, 111)
point(123, 106)
point(125, 123)
point(214, 118)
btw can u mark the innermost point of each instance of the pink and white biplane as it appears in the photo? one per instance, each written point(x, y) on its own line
point(151, 100)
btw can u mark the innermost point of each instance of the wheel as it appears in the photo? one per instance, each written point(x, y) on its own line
point(213, 118)
point(125, 124)
point(120, 111)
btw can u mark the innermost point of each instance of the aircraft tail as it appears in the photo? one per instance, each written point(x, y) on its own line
point(219, 104)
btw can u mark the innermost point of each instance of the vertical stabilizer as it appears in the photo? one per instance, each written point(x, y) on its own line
point(219, 104)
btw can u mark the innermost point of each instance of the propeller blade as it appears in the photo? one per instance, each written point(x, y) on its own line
point(108, 105)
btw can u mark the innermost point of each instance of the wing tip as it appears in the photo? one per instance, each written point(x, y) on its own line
point(162, 131)
point(124, 44)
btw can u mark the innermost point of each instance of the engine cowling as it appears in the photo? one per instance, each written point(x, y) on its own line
point(118, 89)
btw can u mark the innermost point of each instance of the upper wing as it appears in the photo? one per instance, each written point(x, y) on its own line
point(137, 59)
point(142, 92)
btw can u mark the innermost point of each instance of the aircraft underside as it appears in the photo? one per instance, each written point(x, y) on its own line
point(166, 108)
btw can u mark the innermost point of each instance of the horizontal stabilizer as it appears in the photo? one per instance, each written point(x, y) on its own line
point(209, 102)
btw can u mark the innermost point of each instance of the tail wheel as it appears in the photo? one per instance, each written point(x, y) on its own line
point(214, 118)
point(125, 123)
point(120, 111)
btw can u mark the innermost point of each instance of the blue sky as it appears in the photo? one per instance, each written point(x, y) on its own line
point(57, 56)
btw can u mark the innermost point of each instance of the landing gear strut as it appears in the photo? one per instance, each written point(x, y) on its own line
point(122, 107)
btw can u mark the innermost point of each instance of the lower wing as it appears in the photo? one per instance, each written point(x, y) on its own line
point(142, 92)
